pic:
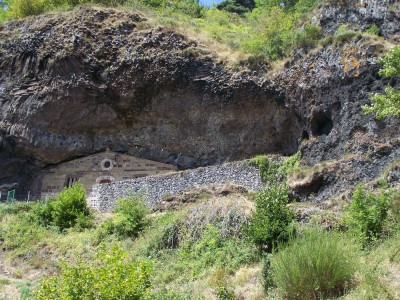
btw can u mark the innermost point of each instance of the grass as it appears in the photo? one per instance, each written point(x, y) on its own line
point(316, 265)
point(268, 32)
point(380, 272)
point(198, 251)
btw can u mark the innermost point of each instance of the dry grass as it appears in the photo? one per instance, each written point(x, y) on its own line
point(247, 283)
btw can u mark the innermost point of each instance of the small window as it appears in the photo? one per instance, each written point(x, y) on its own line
point(106, 164)
point(105, 181)
point(71, 181)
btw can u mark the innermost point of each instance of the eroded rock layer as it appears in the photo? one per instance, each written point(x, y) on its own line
point(76, 83)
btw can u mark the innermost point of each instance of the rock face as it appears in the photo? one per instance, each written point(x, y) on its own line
point(74, 84)
point(361, 14)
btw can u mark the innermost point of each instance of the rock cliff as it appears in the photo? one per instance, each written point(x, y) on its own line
point(75, 83)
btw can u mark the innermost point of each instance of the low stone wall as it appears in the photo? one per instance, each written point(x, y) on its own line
point(104, 196)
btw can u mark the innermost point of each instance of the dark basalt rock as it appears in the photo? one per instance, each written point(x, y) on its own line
point(76, 83)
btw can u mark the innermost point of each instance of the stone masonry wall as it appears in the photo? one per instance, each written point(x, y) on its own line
point(92, 169)
point(104, 196)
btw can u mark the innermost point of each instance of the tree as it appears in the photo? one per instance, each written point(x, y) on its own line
point(237, 6)
point(384, 105)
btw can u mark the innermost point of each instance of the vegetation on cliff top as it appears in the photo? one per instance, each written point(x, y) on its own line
point(269, 29)
point(387, 104)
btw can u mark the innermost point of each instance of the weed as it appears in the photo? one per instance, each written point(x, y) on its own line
point(316, 265)
point(343, 34)
point(109, 276)
point(367, 213)
point(129, 217)
point(269, 223)
point(374, 29)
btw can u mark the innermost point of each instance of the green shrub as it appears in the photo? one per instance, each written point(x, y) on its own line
point(328, 40)
point(67, 209)
point(21, 234)
point(268, 169)
point(343, 34)
point(212, 250)
point(384, 105)
point(290, 163)
point(374, 29)
point(271, 219)
point(271, 171)
point(24, 8)
point(318, 265)
point(394, 207)
point(15, 208)
point(108, 276)
point(129, 217)
point(367, 212)
point(266, 274)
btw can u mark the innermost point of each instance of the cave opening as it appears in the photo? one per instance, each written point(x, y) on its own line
point(321, 123)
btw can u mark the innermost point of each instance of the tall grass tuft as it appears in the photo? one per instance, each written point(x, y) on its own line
point(316, 266)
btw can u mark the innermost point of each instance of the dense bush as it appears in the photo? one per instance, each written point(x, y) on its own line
point(374, 29)
point(237, 6)
point(271, 219)
point(384, 105)
point(129, 217)
point(271, 171)
point(343, 34)
point(213, 250)
point(268, 169)
point(317, 265)
point(65, 210)
point(108, 276)
point(20, 233)
point(394, 208)
point(367, 212)
point(24, 8)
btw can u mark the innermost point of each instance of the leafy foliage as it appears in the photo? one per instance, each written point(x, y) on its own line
point(384, 105)
point(237, 6)
point(129, 217)
point(367, 212)
point(264, 29)
point(213, 251)
point(374, 29)
point(67, 209)
point(268, 169)
point(23, 8)
point(317, 265)
point(109, 276)
point(271, 171)
point(343, 34)
point(269, 223)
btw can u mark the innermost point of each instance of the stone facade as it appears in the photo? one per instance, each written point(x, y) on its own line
point(154, 188)
point(101, 168)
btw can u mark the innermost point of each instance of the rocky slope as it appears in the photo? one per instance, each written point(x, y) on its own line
point(75, 83)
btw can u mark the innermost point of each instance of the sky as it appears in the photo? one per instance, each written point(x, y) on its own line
point(209, 2)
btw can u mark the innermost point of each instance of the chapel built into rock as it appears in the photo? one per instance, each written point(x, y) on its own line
point(103, 168)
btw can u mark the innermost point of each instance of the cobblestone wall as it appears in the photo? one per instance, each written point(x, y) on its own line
point(103, 196)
